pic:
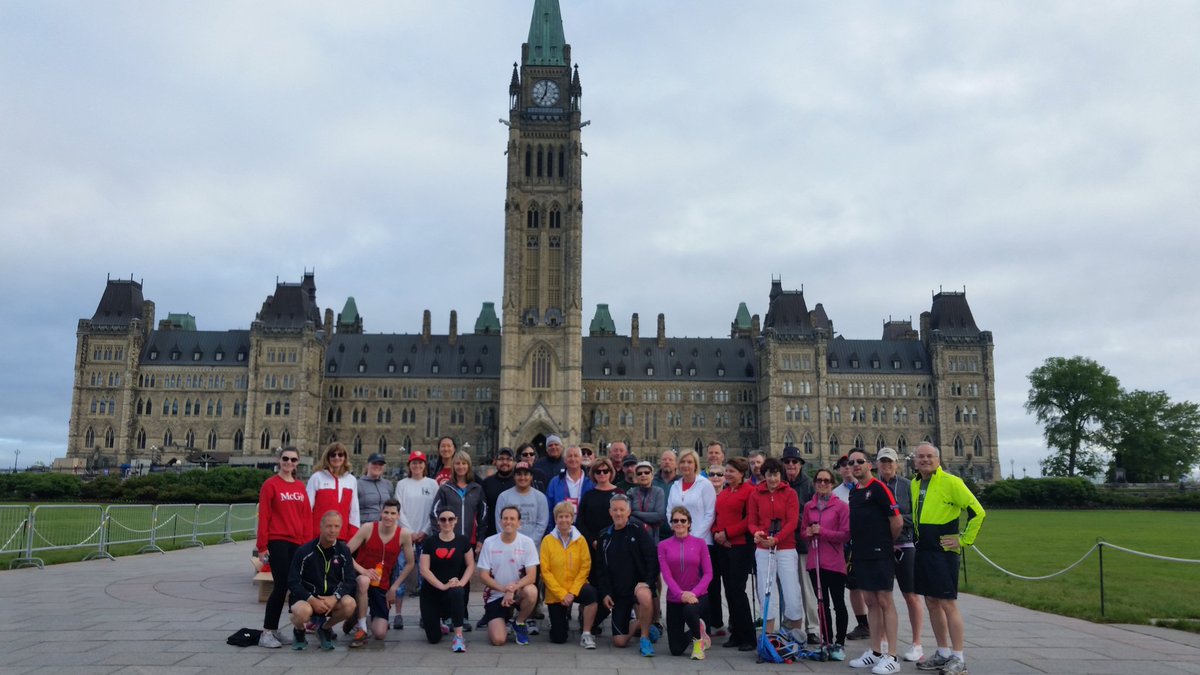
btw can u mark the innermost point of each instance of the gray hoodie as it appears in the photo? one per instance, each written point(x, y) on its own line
point(535, 511)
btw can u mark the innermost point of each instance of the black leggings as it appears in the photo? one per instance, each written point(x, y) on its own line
point(833, 585)
point(714, 617)
point(279, 557)
point(560, 617)
point(437, 605)
point(737, 563)
point(681, 616)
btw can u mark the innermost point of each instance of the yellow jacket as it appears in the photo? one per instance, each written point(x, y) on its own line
point(564, 568)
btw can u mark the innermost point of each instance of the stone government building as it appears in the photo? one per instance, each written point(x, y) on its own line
point(168, 392)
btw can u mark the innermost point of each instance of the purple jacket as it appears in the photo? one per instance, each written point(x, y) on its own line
point(685, 566)
point(834, 518)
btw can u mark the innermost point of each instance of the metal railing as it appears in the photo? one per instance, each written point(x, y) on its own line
point(32, 531)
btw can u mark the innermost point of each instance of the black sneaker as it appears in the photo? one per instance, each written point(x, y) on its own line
point(813, 639)
point(860, 632)
point(298, 640)
point(398, 622)
point(480, 624)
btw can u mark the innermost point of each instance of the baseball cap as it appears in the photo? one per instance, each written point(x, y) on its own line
point(630, 460)
point(646, 464)
point(504, 452)
point(416, 456)
point(887, 453)
point(377, 458)
point(522, 466)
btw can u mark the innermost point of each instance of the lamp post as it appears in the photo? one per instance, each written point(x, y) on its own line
point(16, 456)
point(1012, 471)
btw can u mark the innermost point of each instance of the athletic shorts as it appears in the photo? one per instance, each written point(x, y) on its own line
point(905, 559)
point(935, 573)
point(496, 610)
point(623, 606)
point(876, 574)
point(377, 607)
point(851, 582)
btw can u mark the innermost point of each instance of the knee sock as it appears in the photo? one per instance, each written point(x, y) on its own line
point(862, 620)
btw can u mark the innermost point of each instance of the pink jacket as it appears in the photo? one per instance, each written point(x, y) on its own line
point(834, 518)
point(685, 566)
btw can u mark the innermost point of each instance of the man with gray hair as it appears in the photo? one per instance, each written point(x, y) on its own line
point(757, 458)
point(572, 482)
point(626, 563)
point(552, 464)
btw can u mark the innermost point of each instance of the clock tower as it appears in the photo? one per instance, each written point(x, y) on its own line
point(540, 377)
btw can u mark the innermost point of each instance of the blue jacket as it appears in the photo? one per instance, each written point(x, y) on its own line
point(557, 490)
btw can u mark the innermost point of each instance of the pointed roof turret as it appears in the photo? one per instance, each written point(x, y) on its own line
point(742, 320)
point(547, 45)
point(602, 323)
point(349, 320)
point(487, 323)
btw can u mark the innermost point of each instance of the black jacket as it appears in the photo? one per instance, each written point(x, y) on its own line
point(804, 491)
point(308, 576)
point(624, 558)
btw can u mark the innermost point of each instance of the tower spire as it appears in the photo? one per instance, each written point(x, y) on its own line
point(547, 45)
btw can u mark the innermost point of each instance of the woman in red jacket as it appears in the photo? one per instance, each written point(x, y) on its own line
point(774, 513)
point(735, 551)
point(332, 487)
point(827, 522)
point(284, 522)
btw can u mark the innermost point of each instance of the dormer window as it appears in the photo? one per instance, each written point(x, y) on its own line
point(153, 354)
point(241, 356)
point(196, 355)
point(218, 356)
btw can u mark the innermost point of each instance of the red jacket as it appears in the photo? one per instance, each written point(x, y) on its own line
point(284, 513)
point(782, 504)
point(731, 514)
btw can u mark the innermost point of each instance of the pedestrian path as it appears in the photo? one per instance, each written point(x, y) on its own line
point(171, 614)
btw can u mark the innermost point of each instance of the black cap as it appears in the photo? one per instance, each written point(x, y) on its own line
point(630, 460)
point(377, 458)
point(792, 452)
point(504, 452)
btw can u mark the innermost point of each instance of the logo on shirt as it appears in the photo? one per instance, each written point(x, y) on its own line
point(291, 496)
point(444, 553)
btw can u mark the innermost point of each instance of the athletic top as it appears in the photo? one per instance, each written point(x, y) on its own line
point(685, 565)
point(941, 500)
point(447, 559)
point(284, 513)
point(507, 562)
point(871, 507)
point(374, 552)
point(334, 493)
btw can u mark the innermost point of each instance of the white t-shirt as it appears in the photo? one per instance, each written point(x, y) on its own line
point(506, 562)
point(574, 487)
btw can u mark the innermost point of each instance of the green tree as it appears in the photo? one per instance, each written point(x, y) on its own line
point(1152, 438)
point(1071, 398)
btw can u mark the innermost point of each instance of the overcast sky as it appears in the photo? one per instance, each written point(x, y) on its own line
point(1043, 155)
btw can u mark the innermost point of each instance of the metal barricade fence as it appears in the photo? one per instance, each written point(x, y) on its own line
point(130, 524)
point(173, 522)
point(241, 519)
point(208, 519)
point(13, 521)
point(60, 528)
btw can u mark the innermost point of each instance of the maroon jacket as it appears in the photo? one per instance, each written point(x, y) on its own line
point(782, 504)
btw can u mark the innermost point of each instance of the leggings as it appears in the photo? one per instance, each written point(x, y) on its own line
point(437, 605)
point(833, 585)
point(737, 562)
point(681, 617)
point(714, 617)
point(279, 556)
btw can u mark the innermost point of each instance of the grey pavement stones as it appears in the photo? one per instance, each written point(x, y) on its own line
point(170, 614)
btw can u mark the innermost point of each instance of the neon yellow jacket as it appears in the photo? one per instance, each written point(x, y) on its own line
point(564, 568)
point(946, 497)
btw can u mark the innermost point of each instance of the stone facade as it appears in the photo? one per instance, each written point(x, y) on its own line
point(174, 393)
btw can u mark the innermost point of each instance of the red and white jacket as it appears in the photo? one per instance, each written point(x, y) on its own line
point(327, 492)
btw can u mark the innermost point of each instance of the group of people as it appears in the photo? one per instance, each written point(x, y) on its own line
point(590, 537)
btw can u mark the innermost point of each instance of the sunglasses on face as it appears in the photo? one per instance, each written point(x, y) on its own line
point(679, 521)
point(857, 461)
point(823, 480)
point(644, 472)
point(529, 454)
point(446, 519)
point(791, 461)
point(289, 459)
point(587, 453)
point(717, 474)
point(337, 454)
point(601, 471)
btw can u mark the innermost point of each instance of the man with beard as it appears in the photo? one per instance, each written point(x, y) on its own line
point(875, 522)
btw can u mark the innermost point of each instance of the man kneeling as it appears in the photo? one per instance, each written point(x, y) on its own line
point(627, 562)
point(508, 565)
point(322, 582)
point(376, 547)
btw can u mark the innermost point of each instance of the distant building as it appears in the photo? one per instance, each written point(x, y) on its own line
point(297, 376)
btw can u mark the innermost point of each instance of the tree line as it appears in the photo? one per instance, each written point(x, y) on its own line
point(224, 485)
point(1093, 426)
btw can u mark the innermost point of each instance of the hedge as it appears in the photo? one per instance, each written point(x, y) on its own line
point(224, 485)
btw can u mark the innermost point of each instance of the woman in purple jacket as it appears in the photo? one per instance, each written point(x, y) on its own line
point(686, 571)
point(826, 524)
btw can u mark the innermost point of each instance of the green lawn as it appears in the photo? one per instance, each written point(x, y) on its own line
point(1137, 589)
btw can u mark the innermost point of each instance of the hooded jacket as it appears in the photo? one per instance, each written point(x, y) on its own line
point(470, 506)
point(782, 505)
point(564, 569)
point(834, 518)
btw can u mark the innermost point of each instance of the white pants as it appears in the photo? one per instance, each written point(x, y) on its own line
point(785, 585)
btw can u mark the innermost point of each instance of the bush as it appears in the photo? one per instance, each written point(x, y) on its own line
point(224, 485)
point(1074, 493)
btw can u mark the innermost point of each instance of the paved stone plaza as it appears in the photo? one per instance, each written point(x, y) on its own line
point(171, 614)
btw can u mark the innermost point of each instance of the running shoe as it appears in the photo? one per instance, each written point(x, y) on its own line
point(655, 634)
point(298, 640)
point(887, 666)
point(934, 661)
point(705, 640)
point(348, 626)
point(867, 660)
point(458, 645)
point(326, 636)
point(955, 666)
point(521, 633)
point(813, 639)
point(837, 653)
point(269, 639)
point(647, 647)
point(860, 632)
point(914, 653)
point(398, 622)
point(360, 639)
point(587, 641)
point(697, 650)
point(532, 626)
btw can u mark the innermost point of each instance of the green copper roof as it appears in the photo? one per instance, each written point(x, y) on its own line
point(546, 40)
point(602, 323)
point(487, 323)
point(742, 320)
point(349, 313)
point(182, 321)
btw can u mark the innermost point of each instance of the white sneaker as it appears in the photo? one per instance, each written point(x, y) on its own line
point(887, 665)
point(269, 640)
point(587, 641)
point(867, 660)
point(914, 653)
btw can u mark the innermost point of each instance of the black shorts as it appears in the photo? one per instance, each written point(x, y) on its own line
point(851, 583)
point(377, 607)
point(875, 574)
point(935, 573)
point(905, 559)
point(496, 610)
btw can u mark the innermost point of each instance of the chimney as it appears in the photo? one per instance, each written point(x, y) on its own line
point(426, 328)
point(662, 331)
point(453, 326)
point(755, 327)
point(633, 331)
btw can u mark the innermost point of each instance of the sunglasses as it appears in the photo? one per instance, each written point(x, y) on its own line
point(337, 454)
point(529, 454)
point(601, 471)
point(791, 461)
point(644, 472)
point(679, 521)
point(587, 453)
point(823, 480)
point(444, 519)
point(289, 459)
point(857, 461)
point(718, 474)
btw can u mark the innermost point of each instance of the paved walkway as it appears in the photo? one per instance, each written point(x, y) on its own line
point(171, 614)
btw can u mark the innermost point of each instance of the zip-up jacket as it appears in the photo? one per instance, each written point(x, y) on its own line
point(685, 565)
point(781, 505)
point(327, 492)
point(557, 490)
point(372, 493)
point(565, 567)
point(732, 505)
point(946, 497)
point(804, 491)
point(649, 507)
point(625, 558)
point(902, 490)
point(321, 572)
point(834, 518)
point(470, 507)
point(284, 513)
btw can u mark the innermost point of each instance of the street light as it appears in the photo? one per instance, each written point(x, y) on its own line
point(16, 456)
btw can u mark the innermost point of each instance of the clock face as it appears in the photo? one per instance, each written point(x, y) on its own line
point(545, 93)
